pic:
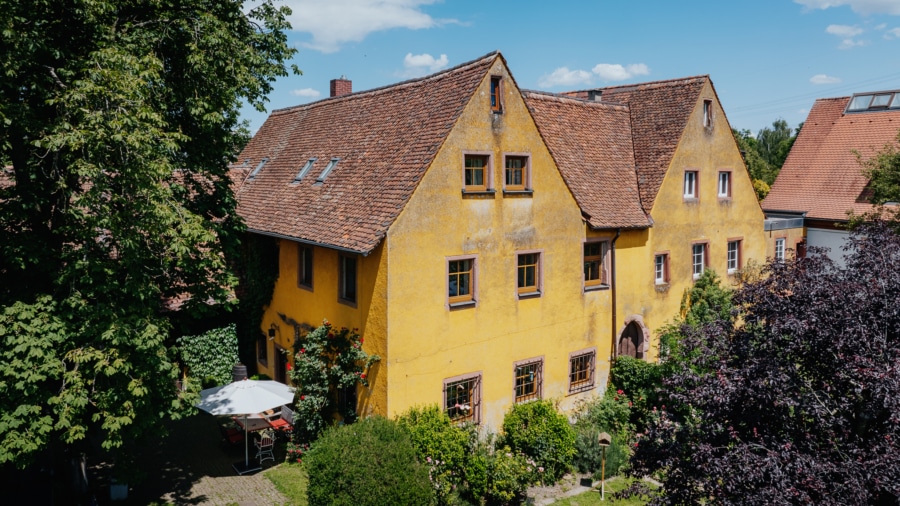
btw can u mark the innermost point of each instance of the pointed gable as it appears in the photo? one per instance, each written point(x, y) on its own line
point(822, 176)
point(591, 143)
point(659, 115)
point(381, 141)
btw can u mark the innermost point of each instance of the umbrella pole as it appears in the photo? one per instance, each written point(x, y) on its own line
point(246, 446)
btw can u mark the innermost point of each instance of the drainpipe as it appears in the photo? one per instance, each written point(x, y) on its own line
point(612, 284)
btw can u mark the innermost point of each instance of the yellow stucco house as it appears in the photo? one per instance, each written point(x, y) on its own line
point(493, 246)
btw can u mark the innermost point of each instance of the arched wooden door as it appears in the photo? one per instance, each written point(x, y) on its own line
point(631, 343)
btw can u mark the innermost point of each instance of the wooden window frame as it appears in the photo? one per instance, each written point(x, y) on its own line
point(727, 194)
point(305, 262)
point(343, 297)
point(487, 172)
point(526, 173)
point(665, 268)
point(577, 383)
point(537, 381)
point(605, 277)
point(471, 298)
point(495, 92)
point(536, 289)
point(695, 193)
point(739, 241)
point(474, 396)
point(705, 264)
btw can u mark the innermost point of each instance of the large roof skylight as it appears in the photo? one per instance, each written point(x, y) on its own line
point(328, 168)
point(876, 101)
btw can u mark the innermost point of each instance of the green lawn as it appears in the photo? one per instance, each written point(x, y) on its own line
point(290, 480)
point(592, 497)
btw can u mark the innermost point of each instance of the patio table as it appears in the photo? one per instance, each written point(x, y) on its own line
point(252, 423)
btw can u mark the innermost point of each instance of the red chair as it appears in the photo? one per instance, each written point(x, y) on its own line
point(231, 434)
point(282, 421)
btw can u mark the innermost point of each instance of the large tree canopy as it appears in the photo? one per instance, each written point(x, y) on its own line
point(797, 401)
point(117, 123)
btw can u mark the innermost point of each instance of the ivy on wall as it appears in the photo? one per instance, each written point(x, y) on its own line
point(257, 274)
point(210, 357)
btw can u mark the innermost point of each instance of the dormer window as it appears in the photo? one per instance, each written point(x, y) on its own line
point(305, 170)
point(328, 168)
point(258, 168)
point(878, 101)
point(496, 94)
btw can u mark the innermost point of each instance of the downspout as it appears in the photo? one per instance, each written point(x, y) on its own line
point(612, 284)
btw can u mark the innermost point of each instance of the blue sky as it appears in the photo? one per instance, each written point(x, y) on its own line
point(768, 59)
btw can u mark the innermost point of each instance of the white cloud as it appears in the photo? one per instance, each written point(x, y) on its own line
point(305, 92)
point(847, 34)
point(616, 72)
point(844, 31)
point(420, 64)
point(333, 23)
point(564, 77)
point(893, 33)
point(864, 7)
point(824, 79)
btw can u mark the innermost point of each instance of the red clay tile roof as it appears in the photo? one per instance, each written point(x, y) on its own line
point(385, 138)
point(821, 175)
point(659, 114)
point(591, 143)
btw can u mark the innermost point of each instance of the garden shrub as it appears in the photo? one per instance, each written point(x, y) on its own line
point(440, 445)
point(542, 433)
point(498, 475)
point(371, 462)
point(640, 382)
point(210, 357)
point(611, 414)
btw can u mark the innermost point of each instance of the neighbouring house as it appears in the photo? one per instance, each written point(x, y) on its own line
point(822, 179)
point(493, 246)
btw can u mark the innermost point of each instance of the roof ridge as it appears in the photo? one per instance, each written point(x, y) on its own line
point(557, 97)
point(649, 84)
point(390, 87)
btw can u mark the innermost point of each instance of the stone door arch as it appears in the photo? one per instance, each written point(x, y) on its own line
point(634, 338)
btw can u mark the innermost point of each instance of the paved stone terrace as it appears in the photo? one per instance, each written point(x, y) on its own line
point(193, 465)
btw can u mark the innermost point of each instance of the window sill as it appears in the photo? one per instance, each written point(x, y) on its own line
point(691, 200)
point(308, 288)
point(462, 305)
point(580, 389)
point(662, 287)
point(596, 288)
point(347, 302)
point(524, 193)
point(489, 192)
point(529, 295)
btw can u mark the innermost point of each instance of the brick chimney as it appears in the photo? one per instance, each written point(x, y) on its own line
point(342, 86)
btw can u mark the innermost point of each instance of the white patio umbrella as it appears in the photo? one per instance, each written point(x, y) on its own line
point(242, 398)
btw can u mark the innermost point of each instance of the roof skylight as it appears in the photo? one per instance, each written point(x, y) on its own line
point(258, 168)
point(328, 168)
point(874, 101)
point(305, 169)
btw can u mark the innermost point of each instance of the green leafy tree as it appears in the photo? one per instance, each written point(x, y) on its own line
point(766, 152)
point(883, 171)
point(328, 362)
point(117, 124)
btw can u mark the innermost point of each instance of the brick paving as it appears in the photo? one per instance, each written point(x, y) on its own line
point(193, 465)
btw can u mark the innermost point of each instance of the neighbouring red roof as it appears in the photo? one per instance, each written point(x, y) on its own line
point(385, 138)
point(822, 176)
point(591, 143)
point(659, 115)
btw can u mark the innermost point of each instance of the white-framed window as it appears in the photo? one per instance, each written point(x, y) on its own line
point(690, 184)
point(698, 259)
point(724, 184)
point(707, 113)
point(661, 268)
point(779, 249)
point(734, 256)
